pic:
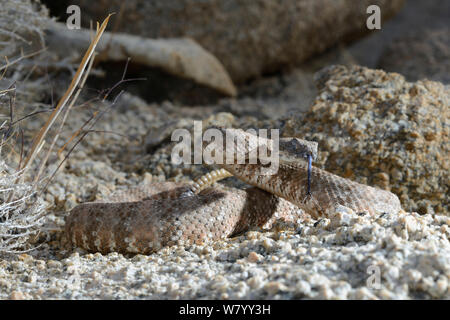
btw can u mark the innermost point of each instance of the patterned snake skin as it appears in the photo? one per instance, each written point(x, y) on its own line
point(145, 219)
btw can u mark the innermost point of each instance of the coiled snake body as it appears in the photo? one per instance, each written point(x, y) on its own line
point(146, 218)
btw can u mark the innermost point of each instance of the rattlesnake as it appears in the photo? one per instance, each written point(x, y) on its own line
point(146, 218)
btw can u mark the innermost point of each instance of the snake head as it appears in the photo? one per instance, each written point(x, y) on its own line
point(294, 149)
point(290, 150)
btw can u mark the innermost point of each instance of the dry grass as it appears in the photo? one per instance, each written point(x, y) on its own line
point(21, 208)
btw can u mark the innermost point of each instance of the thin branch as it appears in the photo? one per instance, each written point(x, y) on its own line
point(77, 133)
point(100, 115)
point(72, 102)
point(63, 101)
point(110, 132)
point(10, 63)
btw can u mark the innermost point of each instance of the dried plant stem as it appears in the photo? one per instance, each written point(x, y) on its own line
point(72, 102)
point(22, 56)
point(94, 120)
point(63, 101)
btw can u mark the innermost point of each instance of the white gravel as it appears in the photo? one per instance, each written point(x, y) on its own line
point(345, 257)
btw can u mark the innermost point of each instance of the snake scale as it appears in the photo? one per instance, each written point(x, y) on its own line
point(146, 218)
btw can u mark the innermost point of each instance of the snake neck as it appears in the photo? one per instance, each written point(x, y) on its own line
point(288, 182)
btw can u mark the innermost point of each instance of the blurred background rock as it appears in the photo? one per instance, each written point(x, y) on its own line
point(271, 49)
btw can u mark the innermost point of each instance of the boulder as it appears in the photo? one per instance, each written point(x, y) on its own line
point(376, 128)
point(250, 38)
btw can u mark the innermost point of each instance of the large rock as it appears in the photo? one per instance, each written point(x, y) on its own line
point(248, 37)
point(378, 129)
point(420, 55)
point(180, 57)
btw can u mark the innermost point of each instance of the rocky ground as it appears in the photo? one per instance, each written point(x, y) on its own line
point(340, 257)
point(343, 256)
point(372, 126)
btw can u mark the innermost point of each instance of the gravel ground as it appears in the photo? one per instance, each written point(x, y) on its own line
point(343, 256)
